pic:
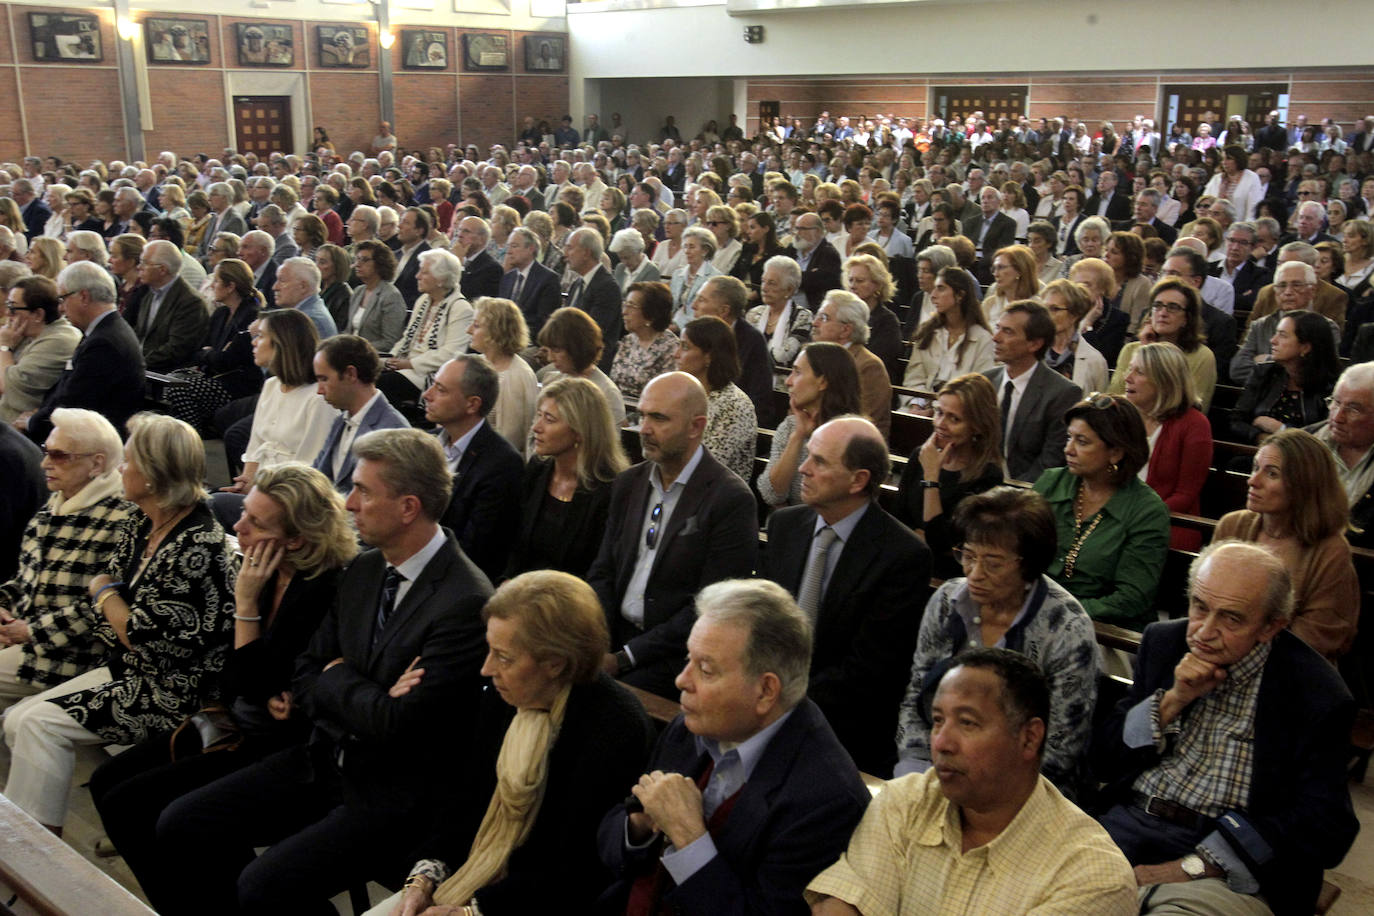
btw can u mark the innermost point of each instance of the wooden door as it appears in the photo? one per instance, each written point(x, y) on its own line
point(262, 124)
point(1187, 105)
point(955, 103)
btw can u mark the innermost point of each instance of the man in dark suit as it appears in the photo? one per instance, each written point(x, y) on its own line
point(989, 231)
point(1308, 223)
point(1107, 203)
point(255, 250)
point(390, 682)
point(1225, 779)
point(411, 231)
point(527, 283)
point(748, 794)
point(105, 374)
point(223, 218)
point(1146, 206)
point(23, 486)
point(170, 318)
point(525, 184)
point(1033, 396)
point(346, 370)
point(595, 290)
point(676, 174)
point(481, 273)
point(678, 521)
point(727, 298)
point(31, 207)
point(484, 511)
point(820, 262)
point(860, 575)
point(1239, 269)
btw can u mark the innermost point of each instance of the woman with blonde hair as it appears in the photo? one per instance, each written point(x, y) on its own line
point(13, 220)
point(567, 485)
point(1104, 327)
point(1069, 354)
point(45, 257)
point(504, 219)
point(1296, 507)
point(554, 746)
point(866, 276)
point(125, 250)
point(1016, 276)
point(498, 331)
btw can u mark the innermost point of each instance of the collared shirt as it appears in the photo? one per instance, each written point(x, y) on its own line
point(410, 569)
point(1018, 388)
point(350, 432)
point(632, 605)
point(155, 302)
point(733, 764)
point(906, 857)
point(1208, 751)
point(843, 529)
point(453, 451)
point(91, 327)
point(586, 282)
point(405, 255)
point(1104, 203)
point(1357, 479)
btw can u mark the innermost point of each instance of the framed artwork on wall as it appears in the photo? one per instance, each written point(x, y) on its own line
point(424, 50)
point(177, 41)
point(265, 44)
point(545, 53)
point(65, 37)
point(344, 46)
point(486, 51)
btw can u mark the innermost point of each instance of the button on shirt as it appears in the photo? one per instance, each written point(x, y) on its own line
point(453, 451)
point(632, 605)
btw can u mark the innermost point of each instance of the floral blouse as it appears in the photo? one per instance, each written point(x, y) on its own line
point(731, 429)
point(635, 364)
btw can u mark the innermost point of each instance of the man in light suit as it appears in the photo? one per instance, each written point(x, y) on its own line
point(400, 650)
point(1033, 396)
point(527, 283)
point(595, 290)
point(481, 273)
point(869, 588)
point(989, 231)
point(484, 511)
point(170, 319)
point(346, 370)
point(679, 520)
point(782, 795)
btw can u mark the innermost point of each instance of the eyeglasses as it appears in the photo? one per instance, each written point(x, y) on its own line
point(1293, 284)
point(993, 566)
point(651, 536)
point(22, 308)
point(1171, 307)
point(1099, 401)
point(63, 297)
point(60, 457)
point(1354, 411)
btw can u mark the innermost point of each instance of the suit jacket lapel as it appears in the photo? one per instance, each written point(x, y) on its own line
point(629, 535)
point(420, 591)
point(693, 494)
point(1030, 401)
point(855, 556)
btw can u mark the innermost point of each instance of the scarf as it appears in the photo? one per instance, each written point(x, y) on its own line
point(433, 312)
point(107, 484)
point(522, 770)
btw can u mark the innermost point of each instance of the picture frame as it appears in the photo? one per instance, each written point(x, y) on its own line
point(177, 41)
point(546, 53)
point(424, 49)
point(486, 52)
point(344, 46)
point(265, 44)
point(69, 38)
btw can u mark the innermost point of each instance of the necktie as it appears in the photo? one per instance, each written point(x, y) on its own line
point(575, 293)
point(1006, 409)
point(390, 584)
point(519, 287)
point(809, 600)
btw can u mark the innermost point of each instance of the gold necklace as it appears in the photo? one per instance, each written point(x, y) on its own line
point(152, 536)
point(1079, 536)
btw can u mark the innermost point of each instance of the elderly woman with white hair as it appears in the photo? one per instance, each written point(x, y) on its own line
point(669, 255)
point(635, 266)
point(785, 325)
point(85, 245)
point(1091, 238)
point(162, 613)
point(437, 331)
point(68, 541)
point(698, 247)
point(723, 222)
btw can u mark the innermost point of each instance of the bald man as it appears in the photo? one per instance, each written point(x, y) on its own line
point(860, 575)
point(678, 521)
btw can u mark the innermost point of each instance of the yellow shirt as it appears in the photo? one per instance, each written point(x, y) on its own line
point(904, 858)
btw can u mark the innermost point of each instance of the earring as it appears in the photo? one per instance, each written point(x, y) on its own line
point(1112, 469)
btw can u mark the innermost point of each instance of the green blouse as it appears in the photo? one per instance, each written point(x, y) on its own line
point(1119, 563)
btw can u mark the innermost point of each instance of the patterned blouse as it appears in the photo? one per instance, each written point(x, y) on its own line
point(732, 428)
point(60, 555)
point(1052, 630)
point(635, 364)
point(180, 623)
point(793, 495)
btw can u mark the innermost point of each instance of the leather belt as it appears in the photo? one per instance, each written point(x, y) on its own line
point(1170, 811)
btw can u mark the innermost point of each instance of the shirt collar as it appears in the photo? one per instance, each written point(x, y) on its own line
point(845, 526)
point(410, 569)
point(683, 476)
point(461, 446)
point(354, 419)
point(750, 750)
point(1248, 668)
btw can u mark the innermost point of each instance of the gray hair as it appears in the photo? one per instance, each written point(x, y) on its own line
point(1278, 596)
point(165, 255)
point(91, 432)
point(779, 633)
point(1093, 224)
point(1151, 195)
point(88, 277)
point(704, 236)
point(938, 256)
point(1227, 206)
point(304, 269)
point(444, 265)
point(1268, 224)
point(627, 240)
point(129, 193)
point(484, 228)
point(220, 188)
point(272, 215)
point(788, 270)
point(1243, 226)
point(1358, 375)
point(1303, 251)
point(1313, 205)
point(411, 463)
point(91, 243)
point(1309, 274)
point(588, 239)
point(529, 238)
point(171, 456)
point(368, 214)
point(846, 307)
point(260, 238)
point(479, 380)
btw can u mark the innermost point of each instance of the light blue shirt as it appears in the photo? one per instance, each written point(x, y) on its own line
point(410, 570)
point(843, 529)
point(453, 451)
point(632, 605)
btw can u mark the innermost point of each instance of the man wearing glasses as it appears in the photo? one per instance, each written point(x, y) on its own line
point(1327, 299)
point(1295, 288)
point(1349, 432)
point(678, 521)
point(1310, 218)
point(35, 344)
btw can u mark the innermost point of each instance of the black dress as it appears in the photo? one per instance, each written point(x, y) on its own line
point(939, 531)
point(554, 534)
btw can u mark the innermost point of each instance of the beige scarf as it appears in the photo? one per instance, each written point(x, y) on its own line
point(521, 773)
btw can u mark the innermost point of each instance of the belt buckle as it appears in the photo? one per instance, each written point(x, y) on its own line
point(1164, 804)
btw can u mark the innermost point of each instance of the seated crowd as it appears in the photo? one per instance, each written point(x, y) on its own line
point(403, 643)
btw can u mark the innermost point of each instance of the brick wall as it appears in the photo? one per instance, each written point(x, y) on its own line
point(74, 111)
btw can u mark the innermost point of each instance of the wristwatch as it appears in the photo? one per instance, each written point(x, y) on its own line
point(4, 349)
point(930, 485)
point(623, 662)
point(1193, 866)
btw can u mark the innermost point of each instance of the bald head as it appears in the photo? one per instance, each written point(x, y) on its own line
point(683, 388)
point(846, 465)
